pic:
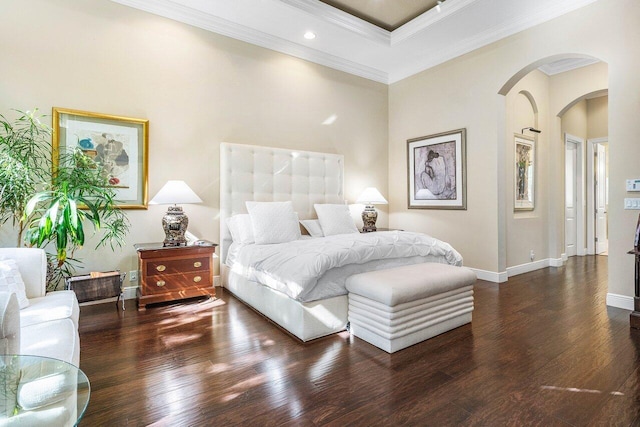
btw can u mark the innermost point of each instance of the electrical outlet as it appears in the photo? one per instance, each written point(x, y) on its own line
point(532, 255)
point(133, 276)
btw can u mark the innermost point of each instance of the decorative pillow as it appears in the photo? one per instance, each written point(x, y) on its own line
point(11, 281)
point(273, 222)
point(313, 227)
point(241, 229)
point(335, 219)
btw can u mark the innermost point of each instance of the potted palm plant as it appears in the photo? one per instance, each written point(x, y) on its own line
point(56, 204)
point(24, 165)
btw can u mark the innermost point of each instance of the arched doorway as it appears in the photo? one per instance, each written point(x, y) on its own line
point(585, 132)
point(537, 238)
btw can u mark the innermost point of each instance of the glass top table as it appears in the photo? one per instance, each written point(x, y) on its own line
point(40, 391)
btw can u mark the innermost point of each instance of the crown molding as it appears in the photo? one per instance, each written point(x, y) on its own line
point(564, 65)
point(343, 19)
point(430, 17)
point(236, 31)
point(487, 37)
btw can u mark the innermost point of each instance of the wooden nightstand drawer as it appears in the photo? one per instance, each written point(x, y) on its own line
point(168, 266)
point(162, 283)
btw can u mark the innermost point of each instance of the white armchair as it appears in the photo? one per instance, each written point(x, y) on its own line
point(32, 263)
point(10, 321)
point(49, 325)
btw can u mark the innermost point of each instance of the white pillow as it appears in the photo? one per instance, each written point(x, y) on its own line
point(335, 219)
point(313, 227)
point(11, 281)
point(241, 229)
point(273, 222)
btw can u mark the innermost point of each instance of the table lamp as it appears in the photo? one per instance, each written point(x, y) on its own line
point(369, 197)
point(175, 221)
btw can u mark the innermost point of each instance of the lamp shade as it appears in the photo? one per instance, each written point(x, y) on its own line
point(174, 192)
point(371, 196)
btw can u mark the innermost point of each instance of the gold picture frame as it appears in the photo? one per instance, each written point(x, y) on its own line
point(120, 144)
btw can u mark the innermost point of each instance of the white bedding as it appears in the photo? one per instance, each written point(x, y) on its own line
point(311, 269)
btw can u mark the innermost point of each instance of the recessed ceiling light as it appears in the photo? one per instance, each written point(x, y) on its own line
point(309, 35)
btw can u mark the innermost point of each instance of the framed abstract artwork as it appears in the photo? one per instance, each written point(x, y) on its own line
point(118, 144)
point(437, 171)
point(525, 177)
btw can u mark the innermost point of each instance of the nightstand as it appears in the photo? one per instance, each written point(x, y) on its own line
point(380, 229)
point(174, 272)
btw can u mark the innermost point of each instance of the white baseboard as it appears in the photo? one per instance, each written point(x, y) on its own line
point(564, 257)
point(620, 301)
point(490, 276)
point(536, 265)
point(556, 262)
point(525, 268)
point(130, 292)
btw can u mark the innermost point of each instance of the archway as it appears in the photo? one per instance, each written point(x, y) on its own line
point(585, 122)
point(536, 239)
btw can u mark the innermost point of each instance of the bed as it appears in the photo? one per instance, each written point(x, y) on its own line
point(252, 173)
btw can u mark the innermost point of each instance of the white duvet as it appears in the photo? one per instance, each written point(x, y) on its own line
point(312, 269)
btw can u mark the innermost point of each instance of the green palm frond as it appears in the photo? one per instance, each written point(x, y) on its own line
point(51, 209)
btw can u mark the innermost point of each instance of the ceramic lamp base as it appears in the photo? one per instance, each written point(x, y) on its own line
point(369, 218)
point(175, 223)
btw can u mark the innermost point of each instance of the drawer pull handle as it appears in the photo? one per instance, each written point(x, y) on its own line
point(161, 283)
point(161, 267)
point(197, 264)
point(197, 279)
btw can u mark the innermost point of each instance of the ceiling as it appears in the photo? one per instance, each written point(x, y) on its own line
point(353, 45)
point(386, 14)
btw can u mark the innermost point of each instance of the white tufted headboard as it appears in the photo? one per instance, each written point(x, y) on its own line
point(264, 174)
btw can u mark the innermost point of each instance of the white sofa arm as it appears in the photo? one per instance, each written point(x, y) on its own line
point(9, 323)
point(32, 263)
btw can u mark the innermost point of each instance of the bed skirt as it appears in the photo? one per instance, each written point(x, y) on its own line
point(304, 320)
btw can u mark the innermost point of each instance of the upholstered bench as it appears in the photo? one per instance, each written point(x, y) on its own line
point(396, 308)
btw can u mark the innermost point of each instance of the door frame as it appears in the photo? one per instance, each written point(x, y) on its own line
point(591, 199)
point(580, 197)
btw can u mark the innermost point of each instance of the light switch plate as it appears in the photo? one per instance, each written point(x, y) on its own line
point(633, 185)
point(630, 203)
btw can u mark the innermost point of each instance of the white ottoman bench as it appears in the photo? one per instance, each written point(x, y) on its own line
point(396, 308)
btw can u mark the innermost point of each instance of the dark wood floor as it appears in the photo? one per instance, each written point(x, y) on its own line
point(543, 349)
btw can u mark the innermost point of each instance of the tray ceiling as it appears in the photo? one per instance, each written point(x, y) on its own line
point(386, 14)
point(353, 45)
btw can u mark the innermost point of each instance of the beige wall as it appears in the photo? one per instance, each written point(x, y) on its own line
point(598, 117)
point(464, 92)
point(575, 120)
point(197, 89)
point(444, 98)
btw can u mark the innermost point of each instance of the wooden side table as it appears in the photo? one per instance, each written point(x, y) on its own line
point(174, 273)
point(634, 318)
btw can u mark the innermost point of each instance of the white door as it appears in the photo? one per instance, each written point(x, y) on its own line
point(601, 199)
point(571, 192)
